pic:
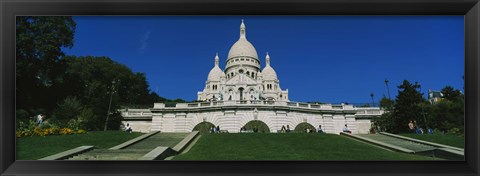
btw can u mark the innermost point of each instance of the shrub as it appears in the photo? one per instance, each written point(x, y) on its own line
point(64, 131)
point(30, 128)
point(455, 131)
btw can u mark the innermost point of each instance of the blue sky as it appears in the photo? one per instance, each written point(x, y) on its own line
point(317, 58)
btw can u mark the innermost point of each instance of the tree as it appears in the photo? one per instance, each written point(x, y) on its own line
point(39, 63)
point(386, 103)
point(408, 107)
point(450, 94)
point(448, 114)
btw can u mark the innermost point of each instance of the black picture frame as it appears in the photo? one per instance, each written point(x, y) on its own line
point(9, 9)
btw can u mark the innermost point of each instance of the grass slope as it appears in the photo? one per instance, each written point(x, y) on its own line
point(287, 146)
point(36, 147)
point(451, 140)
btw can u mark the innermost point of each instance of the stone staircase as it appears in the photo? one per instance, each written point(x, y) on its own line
point(413, 146)
point(135, 151)
point(107, 154)
point(159, 139)
point(416, 147)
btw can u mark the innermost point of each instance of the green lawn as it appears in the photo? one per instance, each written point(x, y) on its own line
point(287, 146)
point(451, 140)
point(36, 147)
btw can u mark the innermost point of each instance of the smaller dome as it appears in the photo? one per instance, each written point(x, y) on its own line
point(268, 73)
point(216, 73)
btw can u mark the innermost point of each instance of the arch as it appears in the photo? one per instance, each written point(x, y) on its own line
point(261, 126)
point(301, 127)
point(241, 92)
point(270, 99)
point(203, 127)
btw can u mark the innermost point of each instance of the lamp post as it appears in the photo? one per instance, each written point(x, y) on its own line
point(373, 102)
point(110, 104)
point(422, 105)
point(388, 89)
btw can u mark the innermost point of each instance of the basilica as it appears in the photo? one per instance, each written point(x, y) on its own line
point(242, 78)
point(243, 93)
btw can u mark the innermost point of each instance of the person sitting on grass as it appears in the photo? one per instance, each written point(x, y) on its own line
point(345, 129)
point(320, 130)
point(429, 130)
point(128, 129)
point(411, 127)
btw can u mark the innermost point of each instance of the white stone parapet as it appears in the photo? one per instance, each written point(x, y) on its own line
point(262, 103)
point(232, 115)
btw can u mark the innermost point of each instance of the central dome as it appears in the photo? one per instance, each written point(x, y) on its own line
point(242, 48)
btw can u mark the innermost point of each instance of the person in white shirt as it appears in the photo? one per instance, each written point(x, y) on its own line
point(345, 129)
point(128, 128)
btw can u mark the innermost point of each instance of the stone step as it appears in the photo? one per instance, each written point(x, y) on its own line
point(417, 147)
point(110, 155)
point(159, 139)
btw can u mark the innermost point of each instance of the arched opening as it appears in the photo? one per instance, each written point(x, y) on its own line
point(302, 127)
point(203, 127)
point(241, 92)
point(261, 127)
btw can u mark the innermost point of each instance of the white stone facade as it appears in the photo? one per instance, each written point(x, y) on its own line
point(232, 115)
point(242, 93)
point(242, 78)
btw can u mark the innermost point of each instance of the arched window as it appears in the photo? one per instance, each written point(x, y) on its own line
point(248, 73)
point(253, 75)
point(240, 71)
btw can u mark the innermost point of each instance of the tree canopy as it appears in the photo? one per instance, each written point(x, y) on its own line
point(77, 88)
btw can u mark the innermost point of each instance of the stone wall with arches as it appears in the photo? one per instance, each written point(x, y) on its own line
point(233, 118)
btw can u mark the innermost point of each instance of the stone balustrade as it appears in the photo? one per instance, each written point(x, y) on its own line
point(362, 111)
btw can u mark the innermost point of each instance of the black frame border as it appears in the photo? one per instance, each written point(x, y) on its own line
point(9, 9)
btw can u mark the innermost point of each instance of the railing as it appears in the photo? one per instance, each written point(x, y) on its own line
point(268, 103)
point(362, 111)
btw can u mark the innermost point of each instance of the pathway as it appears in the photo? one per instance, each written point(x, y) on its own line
point(414, 146)
point(134, 151)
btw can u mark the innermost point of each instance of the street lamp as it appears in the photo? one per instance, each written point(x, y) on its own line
point(373, 102)
point(388, 89)
point(110, 104)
